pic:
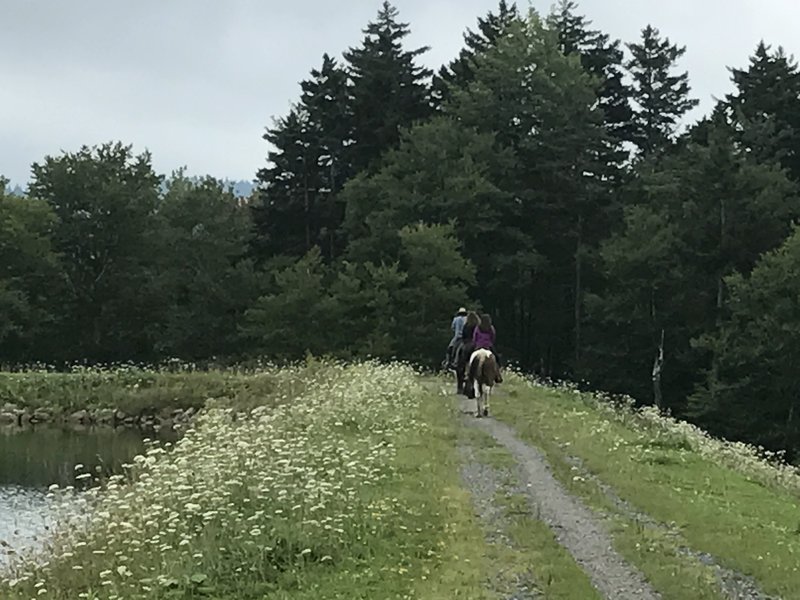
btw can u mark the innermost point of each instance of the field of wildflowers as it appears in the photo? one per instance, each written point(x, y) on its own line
point(324, 490)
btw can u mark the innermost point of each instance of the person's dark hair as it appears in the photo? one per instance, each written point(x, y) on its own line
point(473, 320)
point(486, 323)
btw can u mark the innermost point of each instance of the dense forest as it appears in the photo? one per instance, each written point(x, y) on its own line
point(545, 175)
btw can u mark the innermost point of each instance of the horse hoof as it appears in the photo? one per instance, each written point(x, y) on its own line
point(485, 412)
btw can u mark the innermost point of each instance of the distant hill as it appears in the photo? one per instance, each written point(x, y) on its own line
point(242, 189)
point(15, 190)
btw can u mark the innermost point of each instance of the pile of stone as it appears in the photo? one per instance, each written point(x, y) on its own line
point(12, 414)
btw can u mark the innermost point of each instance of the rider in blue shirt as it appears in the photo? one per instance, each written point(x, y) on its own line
point(458, 328)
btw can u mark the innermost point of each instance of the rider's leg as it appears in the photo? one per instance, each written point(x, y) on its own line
point(499, 378)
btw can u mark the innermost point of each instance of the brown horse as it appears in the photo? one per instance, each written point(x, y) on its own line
point(484, 373)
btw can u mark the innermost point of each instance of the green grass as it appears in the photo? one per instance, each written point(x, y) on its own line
point(136, 390)
point(715, 509)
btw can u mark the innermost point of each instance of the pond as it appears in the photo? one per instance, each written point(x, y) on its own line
point(31, 459)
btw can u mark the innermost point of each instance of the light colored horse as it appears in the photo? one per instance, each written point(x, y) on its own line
point(484, 373)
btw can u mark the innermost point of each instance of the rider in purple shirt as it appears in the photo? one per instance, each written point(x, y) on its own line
point(485, 336)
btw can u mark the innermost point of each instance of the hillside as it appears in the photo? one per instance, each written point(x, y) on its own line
point(368, 481)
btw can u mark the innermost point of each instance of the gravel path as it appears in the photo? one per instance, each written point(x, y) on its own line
point(484, 483)
point(574, 525)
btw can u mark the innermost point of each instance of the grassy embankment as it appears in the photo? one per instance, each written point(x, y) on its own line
point(135, 390)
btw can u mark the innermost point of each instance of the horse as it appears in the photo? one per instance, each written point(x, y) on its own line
point(483, 372)
point(463, 351)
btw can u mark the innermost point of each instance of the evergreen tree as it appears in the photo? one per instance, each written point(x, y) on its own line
point(603, 59)
point(764, 109)
point(660, 97)
point(284, 215)
point(461, 71)
point(326, 97)
point(542, 106)
point(752, 390)
point(708, 210)
point(298, 206)
point(388, 87)
point(365, 309)
point(297, 315)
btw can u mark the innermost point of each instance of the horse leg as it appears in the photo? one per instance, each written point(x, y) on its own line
point(479, 401)
point(459, 380)
point(488, 392)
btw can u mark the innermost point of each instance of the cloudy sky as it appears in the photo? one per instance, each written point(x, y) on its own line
point(196, 81)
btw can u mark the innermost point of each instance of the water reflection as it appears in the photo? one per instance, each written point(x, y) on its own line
point(25, 519)
point(38, 457)
point(32, 459)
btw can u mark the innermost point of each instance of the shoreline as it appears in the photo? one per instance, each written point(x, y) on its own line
point(13, 416)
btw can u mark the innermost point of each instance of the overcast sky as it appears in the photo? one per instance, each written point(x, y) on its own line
point(196, 81)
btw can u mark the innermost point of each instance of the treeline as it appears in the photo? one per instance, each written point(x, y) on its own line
point(542, 175)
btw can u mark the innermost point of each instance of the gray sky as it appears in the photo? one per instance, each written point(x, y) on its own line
point(196, 81)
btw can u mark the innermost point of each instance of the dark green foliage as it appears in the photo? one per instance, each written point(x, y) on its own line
point(461, 71)
point(542, 107)
point(29, 273)
point(602, 58)
point(104, 200)
point(387, 309)
point(660, 97)
point(752, 391)
point(388, 88)
point(205, 276)
point(764, 110)
point(702, 214)
point(308, 166)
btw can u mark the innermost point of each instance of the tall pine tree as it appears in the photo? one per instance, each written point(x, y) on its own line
point(462, 70)
point(603, 59)
point(764, 109)
point(388, 88)
point(308, 165)
point(660, 97)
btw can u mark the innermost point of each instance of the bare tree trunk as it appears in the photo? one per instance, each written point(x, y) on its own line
point(307, 202)
point(656, 374)
point(578, 293)
point(720, 282)
point(787, 437)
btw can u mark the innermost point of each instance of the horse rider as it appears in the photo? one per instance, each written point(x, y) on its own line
point(457, 327)
point(485, 337)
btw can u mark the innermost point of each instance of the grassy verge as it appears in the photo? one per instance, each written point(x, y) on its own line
point(749, 522)
point(136, 390)
point(348, 488)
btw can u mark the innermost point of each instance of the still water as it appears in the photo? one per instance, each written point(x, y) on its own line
point(33, 459)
